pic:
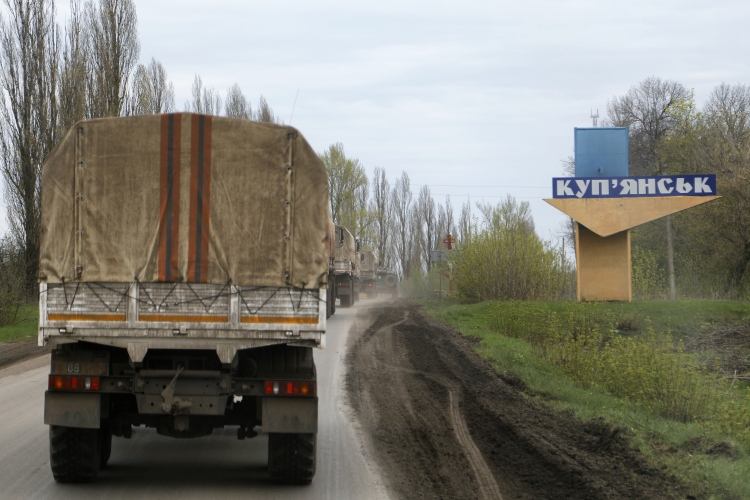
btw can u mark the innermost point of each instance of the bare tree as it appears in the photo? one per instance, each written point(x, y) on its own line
point(401, 203)
point(29, 51)
point(151, 93)
point(363, 218)
point(416, 241)
point(72, 79)
point(112, 27)
point(723, 146)
point(647, 110)
point(237, 106)
point(206, 101)
point(449, 226)
point(265, 113)
point(382, 211)
point(426, 219)
point(464, 223)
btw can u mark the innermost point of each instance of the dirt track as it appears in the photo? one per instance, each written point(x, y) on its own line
point(442, 424)
point(13, 352)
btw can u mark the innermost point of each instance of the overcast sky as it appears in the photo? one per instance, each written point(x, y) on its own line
point(473, 98)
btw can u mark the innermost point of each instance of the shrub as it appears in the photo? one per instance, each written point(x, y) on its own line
point(652, 370)
point(508, 260)
point(12, 281)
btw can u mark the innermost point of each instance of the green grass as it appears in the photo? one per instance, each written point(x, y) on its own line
point(680, 449)
point(25, 327)
point(684, 318)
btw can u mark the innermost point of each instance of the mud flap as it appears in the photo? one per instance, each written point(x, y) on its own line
point(72, 409)
point(290, 415)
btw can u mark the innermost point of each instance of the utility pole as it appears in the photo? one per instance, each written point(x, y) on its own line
point(595, 118)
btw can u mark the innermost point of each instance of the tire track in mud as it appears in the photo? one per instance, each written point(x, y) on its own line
point(441, 423)
point(488, 486)
point(487, 483)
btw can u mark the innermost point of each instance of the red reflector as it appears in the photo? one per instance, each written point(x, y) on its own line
point(73, 383)
point(288, 388)
point(344, 283)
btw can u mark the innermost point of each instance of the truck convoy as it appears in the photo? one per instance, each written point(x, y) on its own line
point(368, 273)
point(185, 278)
point(346, 267)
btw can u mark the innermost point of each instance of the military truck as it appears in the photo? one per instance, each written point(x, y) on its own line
point(368, 273)
point(184, 282)
point(346, 267)
point(387, 283)
point(330, 249)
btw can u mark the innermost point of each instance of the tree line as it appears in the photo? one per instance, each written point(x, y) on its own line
point(53, 76)
point(499, 254)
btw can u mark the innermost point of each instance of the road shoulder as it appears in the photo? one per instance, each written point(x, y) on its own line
point(444, 425)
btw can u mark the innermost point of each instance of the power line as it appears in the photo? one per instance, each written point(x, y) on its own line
point(483, 196)
point(463, 186)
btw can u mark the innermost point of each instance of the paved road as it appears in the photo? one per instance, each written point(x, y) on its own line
point(217, 466)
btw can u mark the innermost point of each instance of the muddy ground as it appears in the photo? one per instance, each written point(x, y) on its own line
point(442, 424)
point(13, 352)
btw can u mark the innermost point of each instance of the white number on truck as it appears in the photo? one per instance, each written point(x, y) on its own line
point(74, 368)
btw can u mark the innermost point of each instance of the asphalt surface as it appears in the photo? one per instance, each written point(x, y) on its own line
point(216, 466)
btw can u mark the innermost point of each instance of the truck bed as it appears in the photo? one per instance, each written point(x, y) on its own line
point(141, 316)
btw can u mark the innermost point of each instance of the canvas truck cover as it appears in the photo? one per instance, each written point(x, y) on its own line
point(184, 197)
point(369, 262)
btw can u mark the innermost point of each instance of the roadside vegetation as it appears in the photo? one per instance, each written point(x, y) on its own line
point(24, 327)
point(667, 374)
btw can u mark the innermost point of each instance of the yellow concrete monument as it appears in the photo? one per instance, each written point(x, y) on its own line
point(606, 203)
point(603, 223)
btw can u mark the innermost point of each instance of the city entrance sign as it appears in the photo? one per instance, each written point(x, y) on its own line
point(633, 187)
point(606, 202)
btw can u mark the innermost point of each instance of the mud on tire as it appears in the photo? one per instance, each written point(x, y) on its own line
point(291, 457)
point(75, 454)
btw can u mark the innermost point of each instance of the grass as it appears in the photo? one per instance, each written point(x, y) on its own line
point(25, 327)
point(684, 318)
point(679, 448)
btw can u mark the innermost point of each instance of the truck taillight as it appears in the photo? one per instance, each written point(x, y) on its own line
point(73, 383)
point(344, 283)
point(289, 388)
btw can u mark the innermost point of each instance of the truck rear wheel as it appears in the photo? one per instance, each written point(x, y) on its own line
point(291, 457)
point(346, 300)
point(106, 445)
point(75, 454)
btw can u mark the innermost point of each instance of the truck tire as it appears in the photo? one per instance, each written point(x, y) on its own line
point(291, 457)
point(346, 300)
point(75, 454)
point(106, 446)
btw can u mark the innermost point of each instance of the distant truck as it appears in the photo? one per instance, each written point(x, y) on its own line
point(330, 248)
point(368, 273)
point(185, 279)
point(387, 283)
point(346, 267)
